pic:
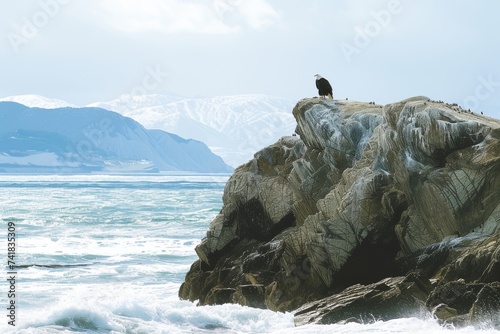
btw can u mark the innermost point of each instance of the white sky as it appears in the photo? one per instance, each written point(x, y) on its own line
point(84, 51)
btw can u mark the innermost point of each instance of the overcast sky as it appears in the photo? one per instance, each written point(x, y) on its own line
point(85, 51)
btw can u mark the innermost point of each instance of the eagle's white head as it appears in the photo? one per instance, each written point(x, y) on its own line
point(317, 76)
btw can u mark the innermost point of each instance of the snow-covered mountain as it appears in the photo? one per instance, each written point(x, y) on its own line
point(93, 139)
point(38, 101)
point(128, 103)
point(234, 127)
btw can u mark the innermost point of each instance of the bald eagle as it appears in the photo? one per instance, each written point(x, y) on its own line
point(324, 87)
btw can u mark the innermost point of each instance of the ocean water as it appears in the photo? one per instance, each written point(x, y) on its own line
point(107, 254)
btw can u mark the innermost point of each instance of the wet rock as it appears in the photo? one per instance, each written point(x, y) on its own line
point(250, 295)
point(486, 309)
point(444, 312)
point(456, 295)
point(390, 298)
point(219, 296)
point(473, 259)
point(464, 304)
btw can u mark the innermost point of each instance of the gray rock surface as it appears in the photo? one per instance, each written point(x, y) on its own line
point(364, 194)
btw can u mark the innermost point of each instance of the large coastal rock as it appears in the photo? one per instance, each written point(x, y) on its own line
point(362, 196)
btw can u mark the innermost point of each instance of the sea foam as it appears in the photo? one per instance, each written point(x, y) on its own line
point(109, 258)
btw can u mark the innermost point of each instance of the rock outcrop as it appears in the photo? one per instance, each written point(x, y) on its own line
point(337, 217)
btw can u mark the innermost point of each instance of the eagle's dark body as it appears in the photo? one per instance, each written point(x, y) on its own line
point(324, 87)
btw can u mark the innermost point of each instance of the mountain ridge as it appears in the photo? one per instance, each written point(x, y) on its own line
point(95, 139)
point(38, 101)
point(233, 126)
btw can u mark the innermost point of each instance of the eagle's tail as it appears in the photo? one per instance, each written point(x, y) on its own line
point(330, 96)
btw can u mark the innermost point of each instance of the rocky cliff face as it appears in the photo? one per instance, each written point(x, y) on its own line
point(365, 195)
